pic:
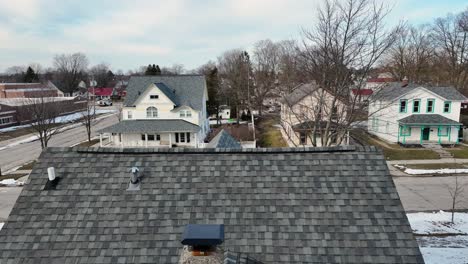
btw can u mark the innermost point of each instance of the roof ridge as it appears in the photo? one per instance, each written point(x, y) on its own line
point(335, 149)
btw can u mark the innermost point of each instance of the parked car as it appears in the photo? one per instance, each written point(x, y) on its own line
point(105, 103)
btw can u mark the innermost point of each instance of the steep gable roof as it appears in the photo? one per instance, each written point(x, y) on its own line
point(224, 140)
point(395, 90)
point(303, 90)
point(188, 89)
point(305, 205)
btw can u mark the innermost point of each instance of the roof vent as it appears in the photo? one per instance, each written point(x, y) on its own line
point(202, 240)
point(134, 184)
point(53, 180)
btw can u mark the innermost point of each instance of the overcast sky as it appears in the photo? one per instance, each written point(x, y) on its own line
point(130, 33)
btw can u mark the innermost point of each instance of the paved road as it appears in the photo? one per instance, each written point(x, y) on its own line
point(429, 193)
point(8, 198)
point(18, 155)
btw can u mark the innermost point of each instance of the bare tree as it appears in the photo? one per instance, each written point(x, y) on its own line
point(88, 115)
point(43, 113)
point(234, 69)
point(102, 74)
point(70, 70)
point(266, 64)
point(338, 53)
point(456, 193)
point(450, 36)
point(411, 56)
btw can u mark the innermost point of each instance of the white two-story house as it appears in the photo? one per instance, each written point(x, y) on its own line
point(416, 114)
point(305, 115)
point(162, 111)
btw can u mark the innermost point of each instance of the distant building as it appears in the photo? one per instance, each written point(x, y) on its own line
point(101, 93)
point(14, 111)
point(29, 90)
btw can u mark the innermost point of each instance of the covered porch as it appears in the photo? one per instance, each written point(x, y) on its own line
point(420, 129)
point(151, 133)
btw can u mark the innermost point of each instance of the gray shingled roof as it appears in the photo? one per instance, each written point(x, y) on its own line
point(427, 119)
point(300, 92)
point(189, 89)
point(394, 90)
point(224, 140)
point(151, 125)
point(307, 205)
point(168, 92)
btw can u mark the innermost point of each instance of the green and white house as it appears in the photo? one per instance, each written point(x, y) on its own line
point(416, 114)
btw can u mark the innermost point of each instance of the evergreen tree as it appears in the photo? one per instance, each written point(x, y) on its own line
point(30, 76)
point(148, 70)
point(157, 70)
point(212, 83)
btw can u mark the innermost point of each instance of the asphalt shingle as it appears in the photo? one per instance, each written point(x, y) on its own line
point(394, 90)
point(151, 126)
point(427, 119)
point(224, 140)
point(307, 205)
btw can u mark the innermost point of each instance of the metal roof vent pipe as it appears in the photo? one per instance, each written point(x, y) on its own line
point(202, 241)
point(53, 179)
point(134, 184)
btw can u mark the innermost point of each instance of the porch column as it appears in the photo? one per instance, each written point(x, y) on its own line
point(121, 140)
point(196, 140)
point(170, 140)
point(100, 140)
point(146, 140)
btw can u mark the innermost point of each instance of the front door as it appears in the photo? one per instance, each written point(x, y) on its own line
point(425, 133)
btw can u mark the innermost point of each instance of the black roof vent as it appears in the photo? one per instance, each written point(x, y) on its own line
point(203, 235)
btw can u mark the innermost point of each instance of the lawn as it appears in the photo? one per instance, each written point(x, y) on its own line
point(394, 151)
point(460, 152)
point(27, 166)
point(269, 135)
point(88, 143)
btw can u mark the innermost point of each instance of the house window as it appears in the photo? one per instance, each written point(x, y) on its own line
point(302, 138)
point(154, 96)
point(182, 137)
point(143, 137)
point(405, 131)
point(6, 120)
point(129, 115)
point(185, 113)
point(158, 137)
point(430, 106)
point(443, 131)
point(151, 112)
point(150, 137)
point(416, 105)
point(403, 105)
point(447, 106)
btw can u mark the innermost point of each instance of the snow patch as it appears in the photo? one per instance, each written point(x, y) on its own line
point(431, 171)
point(11, 182)
point(445, 255)
point(1, 225)
point(438, 223)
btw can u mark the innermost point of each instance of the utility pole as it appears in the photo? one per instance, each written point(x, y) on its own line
point(250, 102)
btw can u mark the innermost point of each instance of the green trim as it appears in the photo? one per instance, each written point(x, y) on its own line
point(449, 107)
point(406, 106)
point(427, 105)
point(419, 105)
point(439, 131)
point(402, 130)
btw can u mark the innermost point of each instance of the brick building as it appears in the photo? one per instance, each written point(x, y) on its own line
point(29, 90)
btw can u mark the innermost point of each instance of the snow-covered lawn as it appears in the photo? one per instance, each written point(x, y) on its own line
point(449, 243)
point(430, 171)
point(62, 119)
